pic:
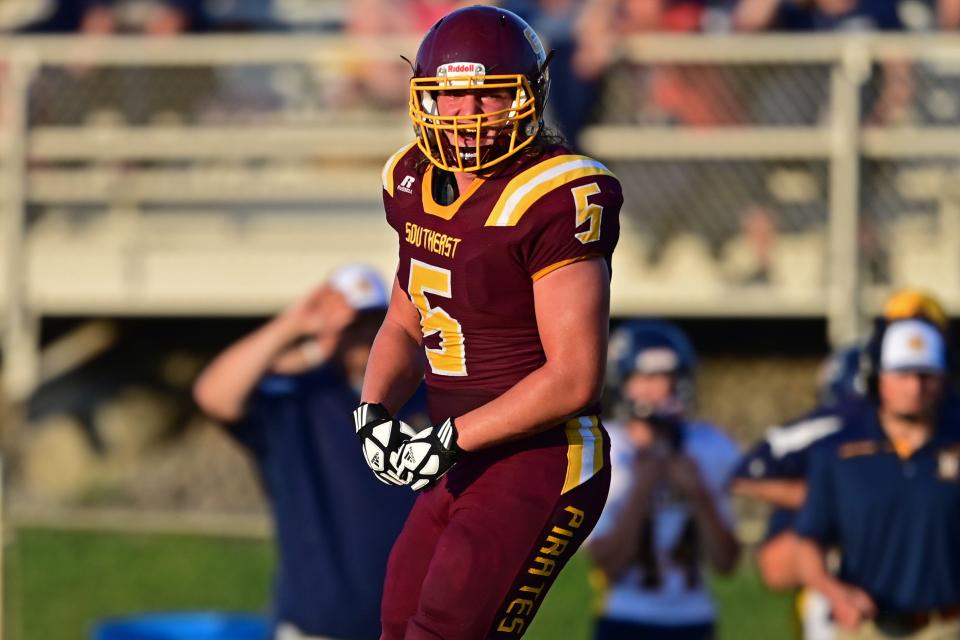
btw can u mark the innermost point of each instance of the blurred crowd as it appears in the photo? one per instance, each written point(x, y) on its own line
point(586, 34)
point(730, 206)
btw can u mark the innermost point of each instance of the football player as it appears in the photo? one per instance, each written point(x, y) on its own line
point(502, 301)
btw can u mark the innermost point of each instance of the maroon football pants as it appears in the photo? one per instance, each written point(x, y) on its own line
point(479, 551)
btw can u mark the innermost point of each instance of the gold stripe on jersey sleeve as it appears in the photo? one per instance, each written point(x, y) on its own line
point(556, 265)
point(584, 451)
point(536, 182)
point(440, 210)
point(386, 176)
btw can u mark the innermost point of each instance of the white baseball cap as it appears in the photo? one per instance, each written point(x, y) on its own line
point(361, 285)
point(912, 345)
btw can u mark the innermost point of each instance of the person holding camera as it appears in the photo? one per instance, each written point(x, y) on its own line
point(668, 513)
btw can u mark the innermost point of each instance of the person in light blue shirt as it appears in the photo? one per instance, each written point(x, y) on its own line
point(668, 515)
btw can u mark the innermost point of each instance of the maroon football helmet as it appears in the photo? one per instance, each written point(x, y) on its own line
point(478, 49)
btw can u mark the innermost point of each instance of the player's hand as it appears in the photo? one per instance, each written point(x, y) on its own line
point(427, 456)
point(381, 437)
point(683, 475)
point(323, 311)
point(851, 607)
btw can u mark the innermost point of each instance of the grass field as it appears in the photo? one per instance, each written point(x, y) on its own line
point(59, 583)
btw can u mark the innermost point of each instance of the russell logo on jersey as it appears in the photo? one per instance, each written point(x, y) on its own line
point(406, 185)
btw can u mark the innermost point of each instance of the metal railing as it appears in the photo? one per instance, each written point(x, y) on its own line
point(206, 185)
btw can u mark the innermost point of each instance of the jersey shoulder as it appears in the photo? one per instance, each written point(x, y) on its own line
point(400, 171)
point(538, 181)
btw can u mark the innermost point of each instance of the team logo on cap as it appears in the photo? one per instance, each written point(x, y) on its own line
point(916, 343)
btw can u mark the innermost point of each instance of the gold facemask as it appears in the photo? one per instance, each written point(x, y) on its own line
point(516, 126)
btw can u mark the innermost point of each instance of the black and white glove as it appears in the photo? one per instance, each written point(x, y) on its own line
point(425, 457)
point(381, 437)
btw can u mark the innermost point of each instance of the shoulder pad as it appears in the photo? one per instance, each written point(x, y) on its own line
point(386, 176)
point(537, 181)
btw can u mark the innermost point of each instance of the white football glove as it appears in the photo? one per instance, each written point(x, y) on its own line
point(381, 436)
point(428, 455)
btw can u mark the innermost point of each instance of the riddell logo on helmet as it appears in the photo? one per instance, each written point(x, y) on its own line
point(461, 69)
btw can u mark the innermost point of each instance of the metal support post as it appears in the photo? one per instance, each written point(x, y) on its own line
point(845, 315)
point(20, 325)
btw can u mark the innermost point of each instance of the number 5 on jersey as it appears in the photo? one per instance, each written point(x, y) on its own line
point(450, 359)
point(587, 212)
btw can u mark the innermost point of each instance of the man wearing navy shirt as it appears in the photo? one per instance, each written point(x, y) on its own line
point(886, 492)
point(774, 469)
point(287, 391)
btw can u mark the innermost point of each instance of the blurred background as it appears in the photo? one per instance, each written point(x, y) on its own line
point(172, 172)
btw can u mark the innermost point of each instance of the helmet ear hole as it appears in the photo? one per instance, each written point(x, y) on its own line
point(429, 103)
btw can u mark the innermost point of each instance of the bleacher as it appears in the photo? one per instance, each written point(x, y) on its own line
point(227, 204)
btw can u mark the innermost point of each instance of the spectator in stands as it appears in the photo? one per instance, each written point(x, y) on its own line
point(572, 97)
point(667, 516)
point(103, 17)
point(774, 469)
point(667, 94)
point(887, 92)
point(668, 197)
point(287, 391)
point(893, 93)
point(384, 84)
point(130, 94)
point(148, 17)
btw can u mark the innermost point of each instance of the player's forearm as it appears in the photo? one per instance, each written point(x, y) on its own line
point(543, 399)
point(718, 539)
point(788, 494)
point(812, 568)
point(777, 562)
point(223, 388)
point(394, 369)
point(573, 332)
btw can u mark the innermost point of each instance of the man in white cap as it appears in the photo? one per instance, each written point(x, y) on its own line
point(286, 391)
point(886, 492)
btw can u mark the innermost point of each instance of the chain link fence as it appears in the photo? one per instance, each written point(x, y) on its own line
point(764, 177)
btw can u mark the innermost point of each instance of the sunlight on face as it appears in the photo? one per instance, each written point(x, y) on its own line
point(472, 103)
point(911, 395)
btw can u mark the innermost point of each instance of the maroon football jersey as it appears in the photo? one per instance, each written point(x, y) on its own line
point(469, 267)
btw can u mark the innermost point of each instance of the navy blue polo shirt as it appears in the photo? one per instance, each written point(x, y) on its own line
point(896, 522)
point(335, 522)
